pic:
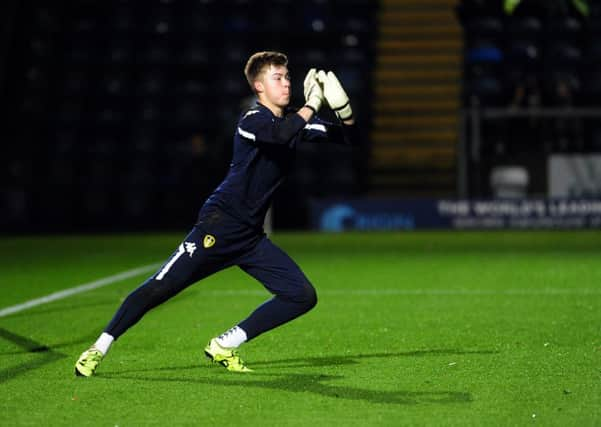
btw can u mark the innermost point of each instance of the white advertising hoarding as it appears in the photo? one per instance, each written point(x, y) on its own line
point(574, 175)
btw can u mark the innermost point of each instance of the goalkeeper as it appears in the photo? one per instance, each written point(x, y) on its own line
point(229, 229)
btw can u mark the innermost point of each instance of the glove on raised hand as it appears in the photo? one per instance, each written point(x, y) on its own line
point(308, 80)
point(335, 95)
point(313, 92)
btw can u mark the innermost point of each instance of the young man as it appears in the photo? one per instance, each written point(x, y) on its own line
point(229, 228)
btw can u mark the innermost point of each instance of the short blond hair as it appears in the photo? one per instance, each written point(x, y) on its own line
point(258, 61)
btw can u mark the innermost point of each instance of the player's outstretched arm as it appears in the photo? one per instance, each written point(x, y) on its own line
point(335, 96)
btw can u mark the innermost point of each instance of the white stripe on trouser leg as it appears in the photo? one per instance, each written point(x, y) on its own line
point(168, 266)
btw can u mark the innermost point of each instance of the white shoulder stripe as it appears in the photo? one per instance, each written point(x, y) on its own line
point(315, 126)
point(245, 134)
point(250, 113)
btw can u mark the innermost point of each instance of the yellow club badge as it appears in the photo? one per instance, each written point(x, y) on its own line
point(208, 241)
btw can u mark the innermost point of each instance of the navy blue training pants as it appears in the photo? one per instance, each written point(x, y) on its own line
point(201, 255)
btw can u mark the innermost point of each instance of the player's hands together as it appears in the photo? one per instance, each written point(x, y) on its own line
point(334, 94)
point(314, 97)
point(309, 78)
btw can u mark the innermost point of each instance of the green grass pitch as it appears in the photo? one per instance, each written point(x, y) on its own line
point(423, 328)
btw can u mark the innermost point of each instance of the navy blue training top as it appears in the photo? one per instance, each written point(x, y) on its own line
point(263, 155)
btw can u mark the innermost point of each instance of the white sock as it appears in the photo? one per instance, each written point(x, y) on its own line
point(232, 338)
point(103, 343)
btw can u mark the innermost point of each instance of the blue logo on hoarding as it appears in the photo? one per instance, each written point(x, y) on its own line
point(343, 217)
point(337, 218)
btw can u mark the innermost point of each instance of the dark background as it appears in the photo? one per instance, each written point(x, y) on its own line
point(119, 114)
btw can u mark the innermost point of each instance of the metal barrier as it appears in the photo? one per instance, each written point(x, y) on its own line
point(470, 140)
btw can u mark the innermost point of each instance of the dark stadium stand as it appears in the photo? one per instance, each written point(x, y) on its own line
point(540, 55)
point(120, 114)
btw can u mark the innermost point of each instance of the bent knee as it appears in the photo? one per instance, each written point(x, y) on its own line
point(307, 296)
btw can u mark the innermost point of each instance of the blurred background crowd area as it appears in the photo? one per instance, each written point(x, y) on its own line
point(542, 60)
point(532, 53)
point(120, 114)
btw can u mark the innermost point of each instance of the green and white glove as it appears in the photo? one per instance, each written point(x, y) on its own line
point(335, 95)
point(313, 92)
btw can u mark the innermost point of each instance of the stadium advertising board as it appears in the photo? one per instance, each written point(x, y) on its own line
point(386, 214)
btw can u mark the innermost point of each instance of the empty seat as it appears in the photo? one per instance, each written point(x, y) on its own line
point(315, 56)
point(523, 87)
point(484, 27)
point(562, 54)
point(75, 82)
point(484, 52)
point(86, 26)
point(591, 88)
point(355, 24)
point(101, 147)
point(523, 53)
point(195, 53)
point(593, 53)
point(151, 83)
point(189, 113)
point(486, 90)
point(144, 140)
point(190, 87)
point(566, 28)
point(83, 52)
point(122, 20)
point(109, 117)
point(198, 21)
point(46, 20)
point(525, 28)
point(70, 113)
point(468, 8)
point(149, 112)
point(158, 21)
point(120, 51)
point(237, 23)
point(275, 20)
point(115, 84)
point(235, 87)
point(561, 88)
point(156, 53)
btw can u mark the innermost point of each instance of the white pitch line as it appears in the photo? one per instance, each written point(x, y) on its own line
point(78, 289)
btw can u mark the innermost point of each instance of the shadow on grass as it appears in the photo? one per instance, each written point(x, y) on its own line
point(28, 345)
point(354, 359)
point(307, 383)
point(310, 383)
point(46, 353)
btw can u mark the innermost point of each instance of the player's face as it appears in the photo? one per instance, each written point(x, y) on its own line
point(276, 85)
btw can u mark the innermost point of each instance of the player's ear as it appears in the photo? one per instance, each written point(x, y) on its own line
point(259, 87)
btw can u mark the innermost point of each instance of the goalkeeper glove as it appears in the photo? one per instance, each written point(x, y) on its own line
point(308, 80)
point(335, 95)
point(313, 92)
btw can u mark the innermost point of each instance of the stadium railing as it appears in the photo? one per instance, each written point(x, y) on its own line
point(472, 139)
